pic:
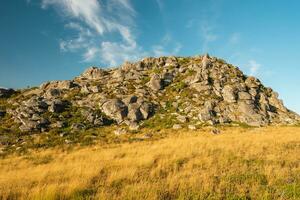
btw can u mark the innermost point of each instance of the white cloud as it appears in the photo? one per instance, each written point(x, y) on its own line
point(254, 67)
point(94, 21)
point(208, 34)
point(90, 54)
point(166, 47)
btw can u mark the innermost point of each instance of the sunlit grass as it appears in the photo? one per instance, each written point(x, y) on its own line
point(256, 163)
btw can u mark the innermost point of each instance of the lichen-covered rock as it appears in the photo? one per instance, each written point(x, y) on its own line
point(155, 83)
point(52, 93)
point(94, 73)
point(62, 85)
point(229, 94)
point(146, 109)
point(57, 106)
point(134, 113)
point(206, 61)
point(116, 109)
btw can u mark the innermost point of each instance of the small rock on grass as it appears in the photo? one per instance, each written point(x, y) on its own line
point(177, 126)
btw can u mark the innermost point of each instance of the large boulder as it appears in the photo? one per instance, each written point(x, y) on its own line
point(57, 106)
point(155, 83)
point(146, 109)
point(52, 93)
point(206, 61)
point(249, 115)
point(229, 94)
point(62, 85)
point(94, 73)
point(115, 109)
point(252, 82)
point(134, 113)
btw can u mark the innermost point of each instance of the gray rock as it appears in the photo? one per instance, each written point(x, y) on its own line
point(94, 73)
point(155, 83)
point(177, 126)
point(120, 131)
point(134, 113)
point(59, 124)
point(252, 82)
point(134, 126)
point(206, 61)
point(146, 110)
point(229, 94)
point(52, 93)
point(115, 109)
point(130, 99)
point(167, 78)
point(57, 106)
point(62, 85)
point(244, 96)
point(205, 115)
point(182, 119)
point(28, 125)
point(192, 127)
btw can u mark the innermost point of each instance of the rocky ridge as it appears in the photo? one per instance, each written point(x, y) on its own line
point(175, 91)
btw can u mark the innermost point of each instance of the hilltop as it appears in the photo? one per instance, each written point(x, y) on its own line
point(154, 93)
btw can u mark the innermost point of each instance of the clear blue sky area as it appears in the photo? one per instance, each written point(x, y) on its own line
point(43, 40)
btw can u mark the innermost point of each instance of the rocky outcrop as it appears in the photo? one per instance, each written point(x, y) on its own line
point(116, 109)
point(93, 73)
point(181, 92)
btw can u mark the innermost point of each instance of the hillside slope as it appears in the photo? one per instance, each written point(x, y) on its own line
point(194, 90)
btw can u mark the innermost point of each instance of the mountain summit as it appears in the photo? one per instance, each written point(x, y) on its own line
point(172, 91)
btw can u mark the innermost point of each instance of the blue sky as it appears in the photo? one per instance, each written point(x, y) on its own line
point(57, 39)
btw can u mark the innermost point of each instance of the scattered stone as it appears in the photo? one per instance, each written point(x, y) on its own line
point(177, 126)
point(120, 131)
point(192, 127)
point(182, 119)
point(133, 126)
point(77, 127)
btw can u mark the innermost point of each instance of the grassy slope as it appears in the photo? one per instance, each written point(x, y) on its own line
point(237, 164)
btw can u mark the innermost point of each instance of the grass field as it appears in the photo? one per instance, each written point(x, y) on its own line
point(238, 163)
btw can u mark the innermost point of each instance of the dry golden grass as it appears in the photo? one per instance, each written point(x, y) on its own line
point(261, 163)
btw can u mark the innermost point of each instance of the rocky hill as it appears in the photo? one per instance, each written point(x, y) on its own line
point(170, 92)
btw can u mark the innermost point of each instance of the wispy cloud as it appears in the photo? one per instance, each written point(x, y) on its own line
point(93, 22)
point(254, 67)
point(167, 46)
